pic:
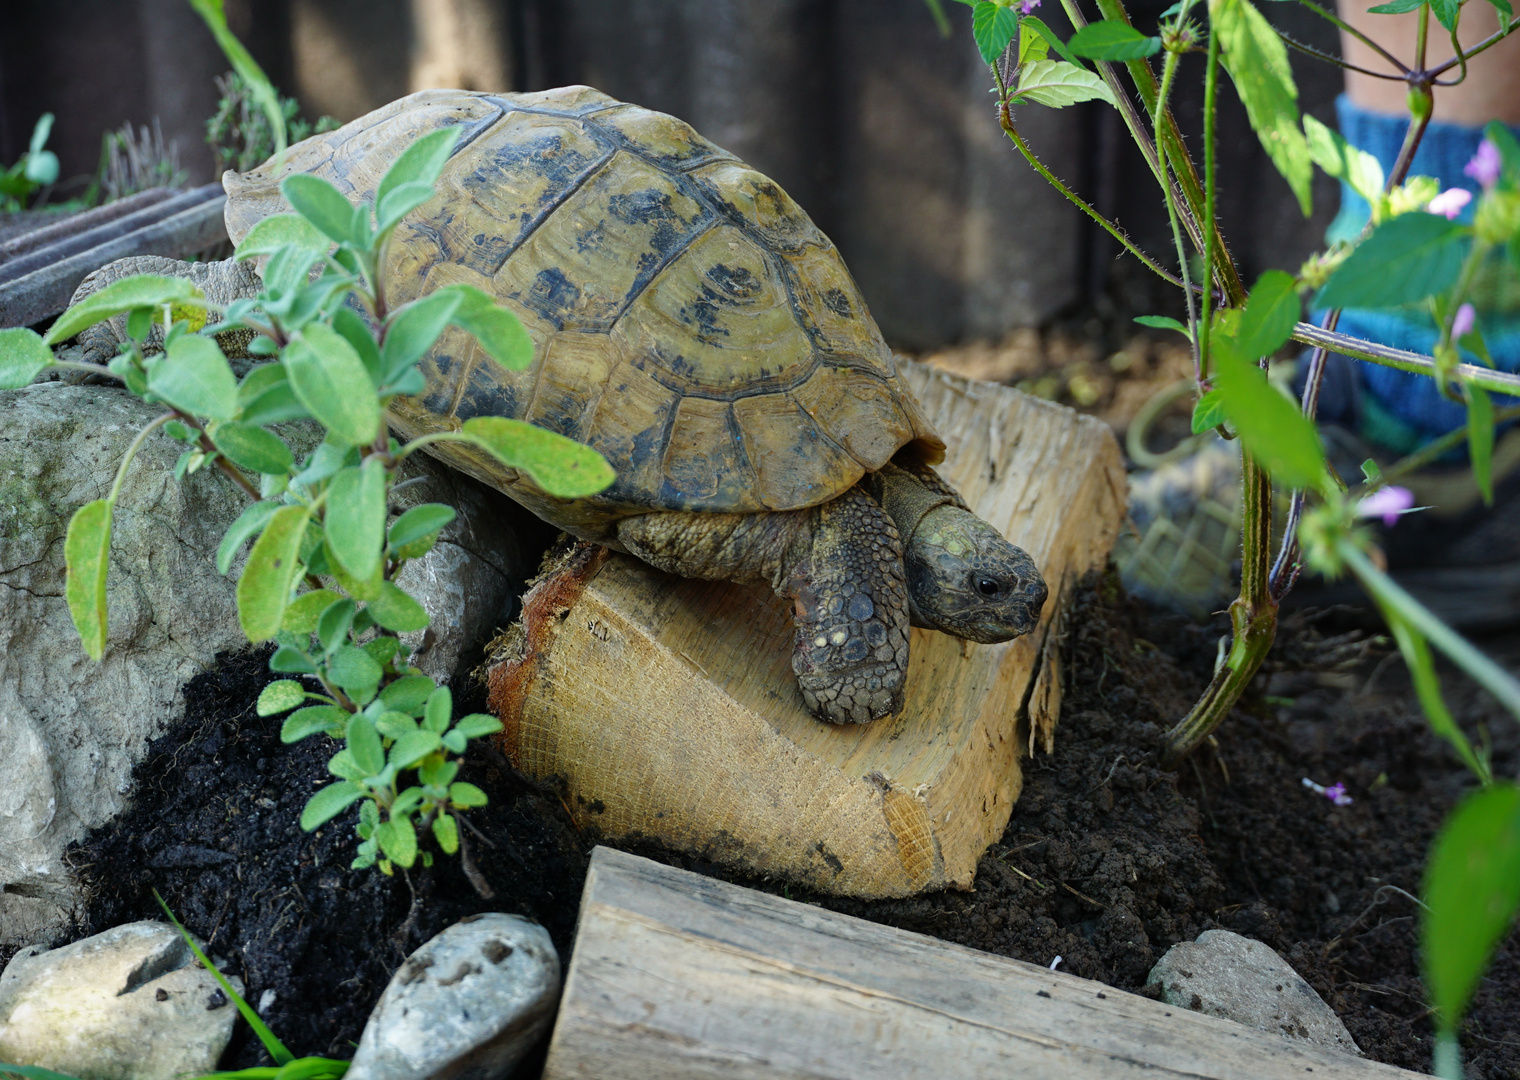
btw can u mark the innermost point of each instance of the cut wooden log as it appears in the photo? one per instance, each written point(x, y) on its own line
point(669, 707)
point(679, 976)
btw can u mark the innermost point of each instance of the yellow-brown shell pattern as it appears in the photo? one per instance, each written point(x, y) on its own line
point(689, 320)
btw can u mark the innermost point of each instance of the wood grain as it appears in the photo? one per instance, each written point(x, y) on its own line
point(679, 976)
point(668, 705)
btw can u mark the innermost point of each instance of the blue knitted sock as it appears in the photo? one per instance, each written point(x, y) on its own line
point(1403, 409)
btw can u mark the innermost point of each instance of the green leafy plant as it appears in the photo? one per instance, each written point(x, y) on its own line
point(1412, 252)
point(37, 168)
point(326, 546)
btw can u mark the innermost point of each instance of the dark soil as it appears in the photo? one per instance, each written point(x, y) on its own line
point(1107, 861)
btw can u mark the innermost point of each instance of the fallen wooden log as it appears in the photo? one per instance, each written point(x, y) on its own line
point(669, 708)
point(37, 280)
point(677, 975)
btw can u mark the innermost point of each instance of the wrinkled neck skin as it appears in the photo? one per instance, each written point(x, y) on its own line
point(964, 579)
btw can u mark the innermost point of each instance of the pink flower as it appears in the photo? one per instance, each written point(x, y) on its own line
point(1486, 165)
point(1336, 793)
point(1463, 322)
point(1450, 202)
point(1027, 7)
point(1387, 503)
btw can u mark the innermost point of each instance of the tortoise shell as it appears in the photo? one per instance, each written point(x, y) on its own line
point(689, 320)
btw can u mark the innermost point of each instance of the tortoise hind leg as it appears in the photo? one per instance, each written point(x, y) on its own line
point(851, 600)
point(841, 566)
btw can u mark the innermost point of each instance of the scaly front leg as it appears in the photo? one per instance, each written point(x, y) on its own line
point(841, 566)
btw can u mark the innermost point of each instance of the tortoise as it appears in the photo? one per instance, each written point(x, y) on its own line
point(694, 326)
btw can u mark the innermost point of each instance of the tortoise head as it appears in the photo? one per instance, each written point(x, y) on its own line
point(964, 579)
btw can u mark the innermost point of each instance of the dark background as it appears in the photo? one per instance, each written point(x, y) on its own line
point(881, 128)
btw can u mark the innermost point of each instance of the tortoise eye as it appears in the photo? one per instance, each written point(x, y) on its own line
point(987, 587)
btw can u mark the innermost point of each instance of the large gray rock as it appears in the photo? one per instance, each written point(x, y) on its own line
point(128, 1004)
point(1224, 974)
point(71, 730)
point(466, 1006)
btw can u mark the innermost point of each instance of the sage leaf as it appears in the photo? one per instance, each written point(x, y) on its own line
point(128, 294)
point(356, 672)
point(364, 743)
point(465, 795)
point(253, 448)
point(500, 333)
point(561, 467)
point(322, 204)
point(398, 839)
point(313, 720)
point(408, 694)
point(264, 589)
point(23, 357)
point(477, 724)
point(396, 611)
point(421, 522)
point(355, 517)
point(86, 556)
point(302, 613)
point(195, 378)
point(413, 330)
point(329, 803)
point(332, 382)
point(412, 748)
point(276, 231)
point(280, 697)
point(420, 163)
point(446, 832)
point(440, 709)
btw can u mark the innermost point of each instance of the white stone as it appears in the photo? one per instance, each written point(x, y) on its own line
point(466, 1006)
point(127, 1004)
point(1237, 978)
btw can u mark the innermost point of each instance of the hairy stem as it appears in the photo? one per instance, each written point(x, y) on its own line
point(1169, 72)
point(1108, 226)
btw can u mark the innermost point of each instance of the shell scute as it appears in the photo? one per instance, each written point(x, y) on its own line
point(603, 244)
point(718, 321)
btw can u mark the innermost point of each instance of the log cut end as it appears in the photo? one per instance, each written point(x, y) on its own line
point(668, 705)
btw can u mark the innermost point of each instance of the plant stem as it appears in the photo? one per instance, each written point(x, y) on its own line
point(1169, 72)
point(1488, 42)
point(1500, 382)
point(132, 449)
point(1112, 229)
point(1253, 617)
point(1346, 27)
point(1170, 141)
point(1210, 98)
